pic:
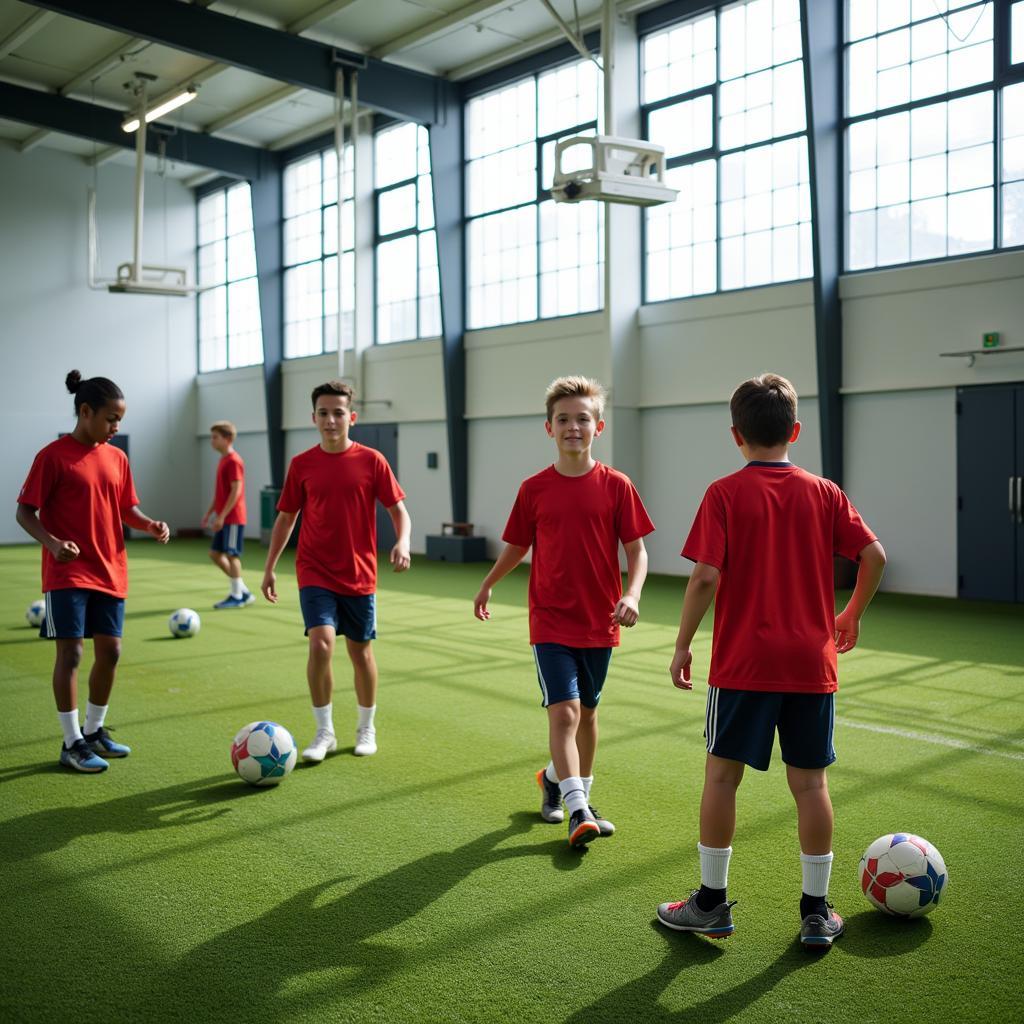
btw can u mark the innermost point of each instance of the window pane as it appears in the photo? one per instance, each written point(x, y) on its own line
point(239, 209)
point(330, 166)
point(501, 119)
point(502, 268)
point(245, 340)
point(570, 258)
point(348, 320)
point(397, 285)
point(679, 59)
point(1017, 33)
point(396, 210)
point(683, 127)
point(212, 268)
point(505, 178)
point(395, 155)
point(430, 297)
point(211, 217)
point(347, 227)
point(567, 96)
point(213, 330)
point(302, 186)
point(302, 238)
point(241, 256)
point(303, 307)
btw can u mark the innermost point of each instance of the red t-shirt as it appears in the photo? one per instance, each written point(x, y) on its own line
point(337, 492)
point(229, 469)
point(575, 524)
point(83, 492)
point(772, 530)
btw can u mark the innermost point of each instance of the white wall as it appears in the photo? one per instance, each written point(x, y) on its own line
point(52, 323)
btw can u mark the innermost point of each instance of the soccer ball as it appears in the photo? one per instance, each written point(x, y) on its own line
point(263, 753)
point(35, 613)
point(903, 875)
point(183, 622)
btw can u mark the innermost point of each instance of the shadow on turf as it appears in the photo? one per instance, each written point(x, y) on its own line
point(872, 934)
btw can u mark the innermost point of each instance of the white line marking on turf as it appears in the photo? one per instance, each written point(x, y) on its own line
point(942, 741)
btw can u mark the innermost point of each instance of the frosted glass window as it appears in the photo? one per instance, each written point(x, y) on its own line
point(1017, 33)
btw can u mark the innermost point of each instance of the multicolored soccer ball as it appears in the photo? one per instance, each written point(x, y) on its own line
point(903, 875)
point(263, 753)
point(183, 622)
point(35, 613)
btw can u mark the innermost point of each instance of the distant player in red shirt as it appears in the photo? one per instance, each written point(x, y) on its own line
point(574, 515)
point(764, 538)
point(78, 493)
point(336, 487)
point(226, 514)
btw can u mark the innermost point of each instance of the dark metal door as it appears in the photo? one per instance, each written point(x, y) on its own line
point(383, 437)
point(1019, 497)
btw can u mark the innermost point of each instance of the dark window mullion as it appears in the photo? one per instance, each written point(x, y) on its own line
point(902, 108)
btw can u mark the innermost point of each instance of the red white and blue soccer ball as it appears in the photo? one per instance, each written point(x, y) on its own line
point(184, 622)
point(903, 875)
point(263, 753)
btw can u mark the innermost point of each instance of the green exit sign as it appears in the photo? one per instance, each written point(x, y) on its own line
point(990, 340)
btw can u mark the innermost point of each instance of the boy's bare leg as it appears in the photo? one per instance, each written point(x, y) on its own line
point(722, 778)
point(65, 674)
point(586, 740)
point(234, 567)
point(318, 669)
point(809, 787)
point(364, 671)
point(563, 727)
point(222, 562)
point(107, 651)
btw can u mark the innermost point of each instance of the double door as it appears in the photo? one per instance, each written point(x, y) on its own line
point(990, 492)
point(383, 437)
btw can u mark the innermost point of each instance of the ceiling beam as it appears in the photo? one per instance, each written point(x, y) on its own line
point(439, 26)
point(24, 32)
point(388, 88)
point(103, 124)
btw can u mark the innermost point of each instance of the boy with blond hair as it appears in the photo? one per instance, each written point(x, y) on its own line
point(226, 514)
point(574, 515)
point(764, 539)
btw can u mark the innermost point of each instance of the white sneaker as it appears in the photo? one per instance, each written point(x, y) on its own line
point(366, 742)
point(324, 743)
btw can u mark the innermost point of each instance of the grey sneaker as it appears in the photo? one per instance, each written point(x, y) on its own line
point(817, 933)
point(686, 916)
point(551, 798)
point(604, 826)
point(82, 758)
point(582, 828)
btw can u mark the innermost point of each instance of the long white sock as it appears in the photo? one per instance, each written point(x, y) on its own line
point(366, 716)
point(817, 869)
point(588, 781)
point(70, 727)
point(237, 586)
point(552, 775)
point(324, 717)
point(714, 866)
point(95, 715)
point(573, 794)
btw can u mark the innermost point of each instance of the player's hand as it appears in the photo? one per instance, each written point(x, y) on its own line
point(626, 611)
point(679, 670)
point(847, 632)
point(400, 559)
point(204, 520)
point(217, 524)
point(64, 550)
point(160, 530)
point(269, 586)
point(480, 604)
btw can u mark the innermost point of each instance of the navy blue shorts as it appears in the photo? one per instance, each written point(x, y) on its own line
point(571, 673)
point(741, 724)
point(229, 539)
point(76, 613)
point(352, 615)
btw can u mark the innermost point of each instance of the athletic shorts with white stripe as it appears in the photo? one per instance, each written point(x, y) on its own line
point(229, 539)
point(75, 613)
point(741, 724)
point(571, 673)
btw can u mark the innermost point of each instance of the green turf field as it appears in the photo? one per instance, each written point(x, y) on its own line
point(421, 884)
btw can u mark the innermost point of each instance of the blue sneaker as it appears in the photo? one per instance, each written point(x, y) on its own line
point(103, 745)
point(80, 756)
point(231, 602)
point(248, 597)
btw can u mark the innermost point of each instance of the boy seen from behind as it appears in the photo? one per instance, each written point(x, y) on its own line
point(226, 514)
point(574, 515)
point(763, 542)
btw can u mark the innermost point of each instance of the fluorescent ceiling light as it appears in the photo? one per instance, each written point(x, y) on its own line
point(132, 125)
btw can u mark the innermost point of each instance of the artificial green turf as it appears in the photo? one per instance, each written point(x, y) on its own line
point(421, 885)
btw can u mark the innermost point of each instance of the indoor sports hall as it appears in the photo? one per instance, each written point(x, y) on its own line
point(210, 209)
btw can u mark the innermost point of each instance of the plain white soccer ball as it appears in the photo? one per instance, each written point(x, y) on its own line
point(35, 613)
point(183, 622)
point(903, 875)
point(263, 753)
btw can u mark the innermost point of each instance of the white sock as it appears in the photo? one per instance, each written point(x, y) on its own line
point(324, 717)
point(817, 869)
point(237, 586)
point(95, 714)
point(714, 866)
point(588, 781)
point(366, 716)
point(69, 724)
point(572, 793)
point(550, 773)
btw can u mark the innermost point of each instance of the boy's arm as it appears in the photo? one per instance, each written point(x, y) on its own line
point(627, 611)
point(28, 520)
point(871, 565)
point(206, 515)
point(400, 558)
point(138, 520)
point(234, 494)
point(700, 592)
point(283, 526)
point(509, 558)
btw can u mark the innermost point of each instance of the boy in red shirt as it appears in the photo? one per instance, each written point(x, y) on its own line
point(78, 493)
point(336, 487)
point(226, 514)
point(764, 538)
point(574, 515)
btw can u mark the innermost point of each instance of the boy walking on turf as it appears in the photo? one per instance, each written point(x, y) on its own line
point(226, 514)
point(574, 515)
point(764, 539)
point(336, 486)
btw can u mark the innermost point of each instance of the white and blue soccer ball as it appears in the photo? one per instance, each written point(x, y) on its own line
point(903, 875)
point(35, 613)
point(183, 622)
point(263, 753)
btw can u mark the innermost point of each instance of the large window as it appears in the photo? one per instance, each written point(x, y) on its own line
point(230, 331)
point(408, 292)
point(724, 94)
point(311, 255)
point(927, 102)
point(527, 256)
